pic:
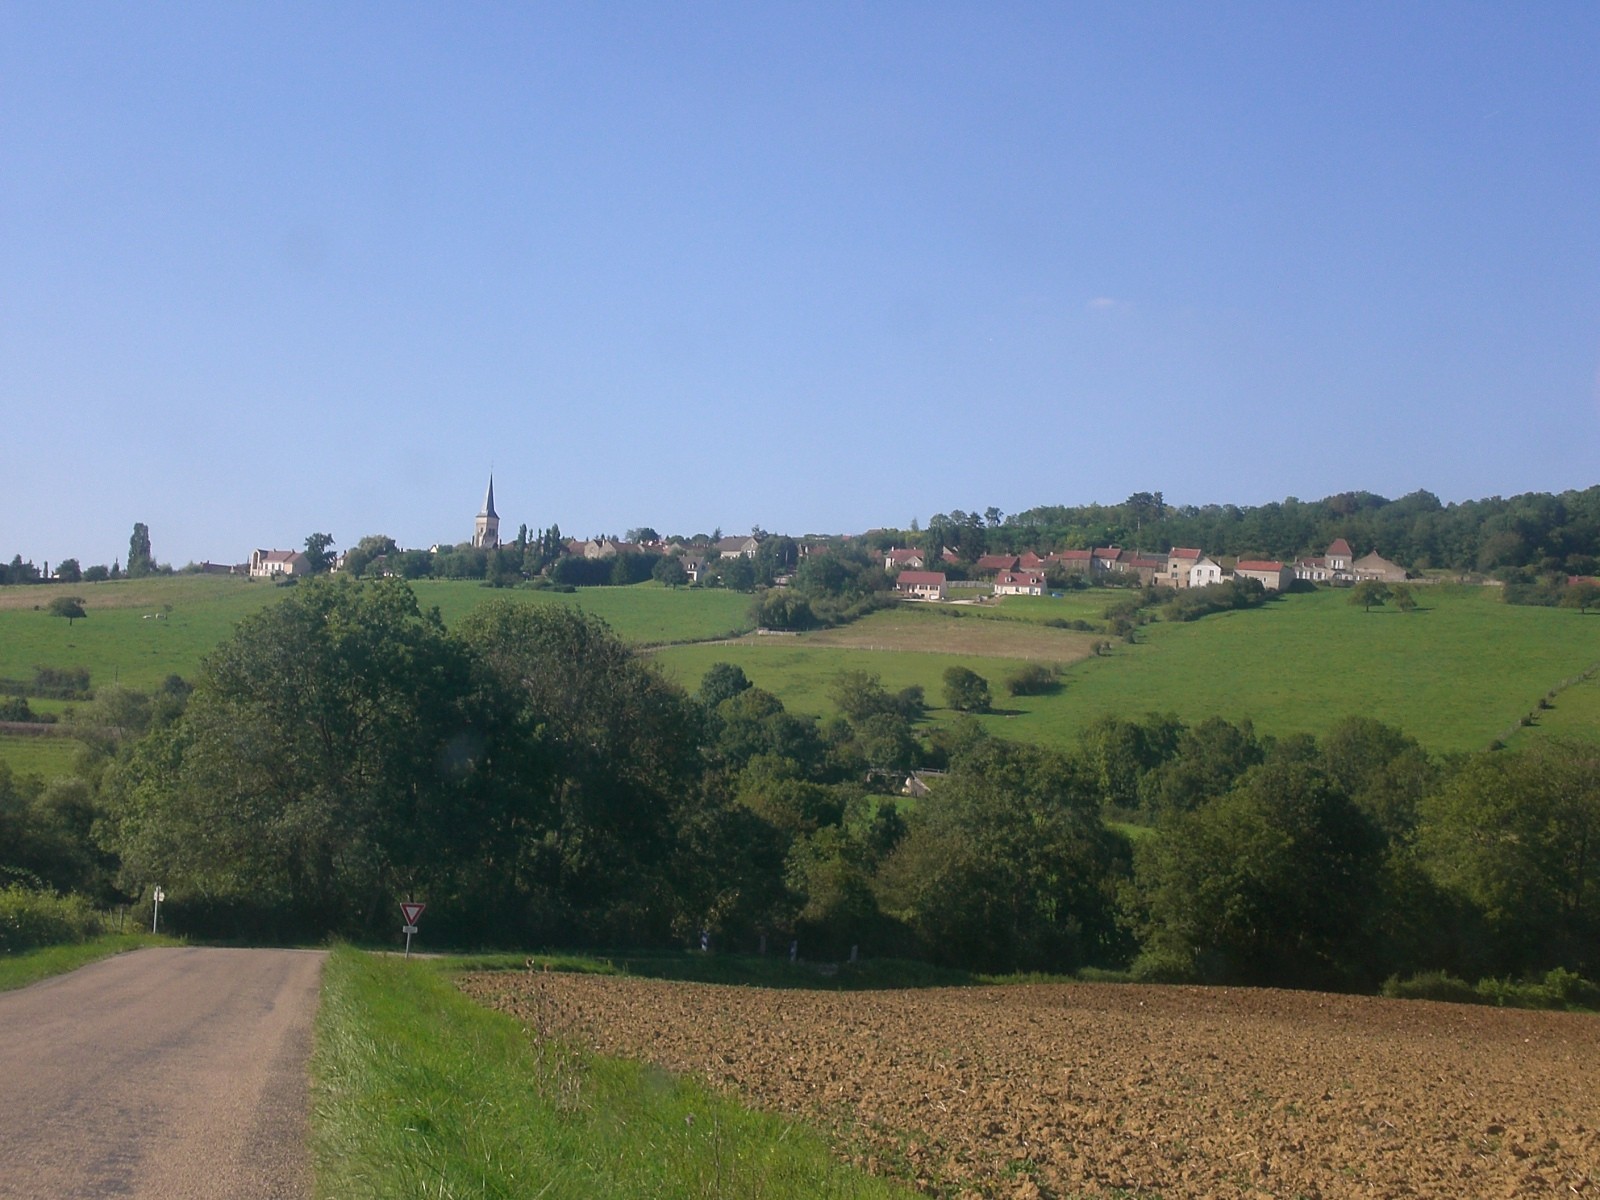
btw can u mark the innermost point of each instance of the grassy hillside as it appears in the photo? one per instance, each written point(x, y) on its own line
point(137, 632)
point(140, 631)
point(1456, 674)
point(646, 613)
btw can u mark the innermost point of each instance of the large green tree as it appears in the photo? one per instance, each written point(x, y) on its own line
point(140, 560)
point(1515, 835)
point(602, 751)
point(320, 769)
point(1275, 882)
point(1006, 865)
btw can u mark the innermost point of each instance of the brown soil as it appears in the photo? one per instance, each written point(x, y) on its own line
point(1104, 1090)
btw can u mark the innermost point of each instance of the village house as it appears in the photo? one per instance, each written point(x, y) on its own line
point(921, 585)
point(732, 547)
point(1072, 560)
point(268, 564)
point(1273, 576)
point(993, 563)
point(907, 558)
point(1030, 562)
point(1204, 573)
point(1019, 583)
point(1150, 568)
point(1179, 560)
point(1375, 566)
point(1106, 560)
point(1332, 567)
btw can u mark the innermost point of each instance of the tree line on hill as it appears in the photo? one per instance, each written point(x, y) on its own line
point(1518, 538)
point(538, 783)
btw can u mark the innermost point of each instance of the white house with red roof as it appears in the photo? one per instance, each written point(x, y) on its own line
point(903, 559)
point(920, 585)
point(1019, 583)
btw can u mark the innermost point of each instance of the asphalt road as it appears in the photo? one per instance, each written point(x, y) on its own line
point(172, 1073)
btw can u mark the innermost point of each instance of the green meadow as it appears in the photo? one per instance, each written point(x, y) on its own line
point(646, 613)
point(1456, 674)
point(138, 632)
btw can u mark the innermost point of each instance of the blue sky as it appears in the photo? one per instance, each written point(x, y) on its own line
point(273, 269)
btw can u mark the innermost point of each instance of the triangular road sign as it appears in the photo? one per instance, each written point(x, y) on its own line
point(412, 910)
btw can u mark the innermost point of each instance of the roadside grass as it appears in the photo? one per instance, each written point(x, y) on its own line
point(417, 1091)
point(19, 970)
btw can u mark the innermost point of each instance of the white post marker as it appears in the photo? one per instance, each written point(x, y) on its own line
point(411, 910)
point(155, 916)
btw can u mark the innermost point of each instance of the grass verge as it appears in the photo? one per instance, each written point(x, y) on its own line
point(420, 1092)
point(19, 970)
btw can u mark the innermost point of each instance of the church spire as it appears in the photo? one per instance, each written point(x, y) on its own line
point(486, 529)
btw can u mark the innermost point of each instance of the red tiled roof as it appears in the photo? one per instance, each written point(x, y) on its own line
point(911, 578)
point(997, 562)
point(905, 555)
point(1340, 546)
point(1070, 556)
point(1139, 560)
point(1181, 552)
point(1257, 565)
point(1022, 579)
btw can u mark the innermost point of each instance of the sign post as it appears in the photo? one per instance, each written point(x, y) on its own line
point(155, 915)
point(410, 910)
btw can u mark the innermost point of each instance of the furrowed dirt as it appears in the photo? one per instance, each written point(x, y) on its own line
point(1099, 1090)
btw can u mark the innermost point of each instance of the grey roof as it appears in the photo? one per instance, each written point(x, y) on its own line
point(488, 501)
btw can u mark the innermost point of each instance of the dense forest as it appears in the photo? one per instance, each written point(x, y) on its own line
point(538, 783)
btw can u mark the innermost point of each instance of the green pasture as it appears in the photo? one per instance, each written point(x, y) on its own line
point(1086, 604)
point(646, 613)
point(801, 674)
point(48, 756)
point(1455, 674)
point(137, 632)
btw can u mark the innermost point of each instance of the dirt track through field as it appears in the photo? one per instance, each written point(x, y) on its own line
point(171, 1073)
point(1100, 1090)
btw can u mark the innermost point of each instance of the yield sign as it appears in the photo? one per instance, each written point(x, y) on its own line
point(412, 910)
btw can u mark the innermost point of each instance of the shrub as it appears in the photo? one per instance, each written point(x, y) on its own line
point(30, 919)
point(1032, 680)
point(1164, 966)
point(1431, 985)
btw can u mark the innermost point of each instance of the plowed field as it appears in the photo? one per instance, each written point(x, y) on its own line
point(1097, 1090)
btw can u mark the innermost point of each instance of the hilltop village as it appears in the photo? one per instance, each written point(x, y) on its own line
point(697, 560)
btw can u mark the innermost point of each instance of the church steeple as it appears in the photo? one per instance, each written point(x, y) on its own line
point(486, 529)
